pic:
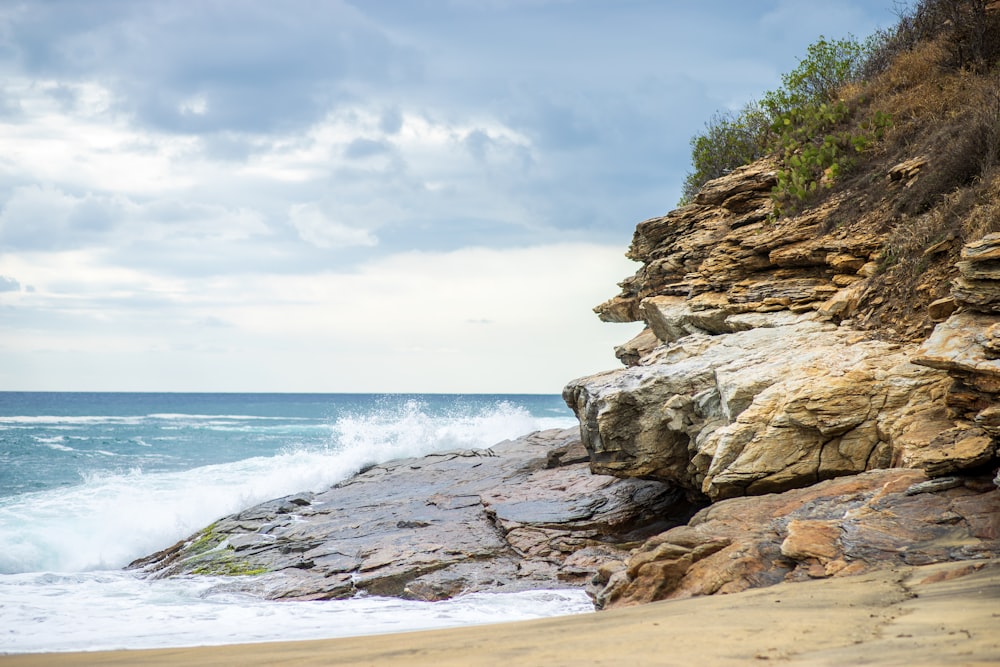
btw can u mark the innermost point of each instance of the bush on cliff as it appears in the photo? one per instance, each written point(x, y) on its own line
point(729, 141)
point(969, 30)
point(732, 140)
point(841, 100)
point(924, 92)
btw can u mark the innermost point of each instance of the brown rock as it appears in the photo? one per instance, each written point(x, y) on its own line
point(955, 345)
point(835, 528)
point(785, 402)
point(986, 249)
point(619, 310)
point(843, 304)
point(757, 179)
point(631, 352)
point(941, 309)
point(982, 295)
point(956, 449)
point(980, 269)
point(966, 346)
point(907, 171)
point(812, 539)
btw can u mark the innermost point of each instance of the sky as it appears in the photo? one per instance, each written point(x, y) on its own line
point(366, 196)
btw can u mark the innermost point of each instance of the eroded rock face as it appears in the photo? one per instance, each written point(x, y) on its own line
point(759, 383)
point(523, 514)
point(967, 346)
point(826, 451)
point(790, 402)
point(967, 343)
point(723, 251)
point(835, 528)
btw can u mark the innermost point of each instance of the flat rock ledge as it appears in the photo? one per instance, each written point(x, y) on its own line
point(523, 514)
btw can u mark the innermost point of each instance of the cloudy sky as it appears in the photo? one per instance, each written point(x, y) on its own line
point(376, 195)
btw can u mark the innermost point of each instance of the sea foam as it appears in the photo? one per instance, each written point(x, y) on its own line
point(112, 518)
point(84, 612)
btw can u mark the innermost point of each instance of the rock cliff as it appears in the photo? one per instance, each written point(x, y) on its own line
point(760, 372)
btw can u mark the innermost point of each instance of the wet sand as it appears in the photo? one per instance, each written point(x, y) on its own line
point(932, 615)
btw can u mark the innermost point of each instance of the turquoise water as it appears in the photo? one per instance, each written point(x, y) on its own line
point(91, 481)
point(49, 440)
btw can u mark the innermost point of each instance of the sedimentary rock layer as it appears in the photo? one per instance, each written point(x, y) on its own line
point(787, 403)
point(750, 377)
point(852, 450)
point(836, 528)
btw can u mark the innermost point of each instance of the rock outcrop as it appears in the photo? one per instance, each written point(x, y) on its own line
point(758, 382)
point(839, 527)
point(788, 403)
point(523, 514)
point(827, 448)
point(967, 347)
point(723, 254)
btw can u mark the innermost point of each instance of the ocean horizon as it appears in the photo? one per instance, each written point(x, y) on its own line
point(90, 481)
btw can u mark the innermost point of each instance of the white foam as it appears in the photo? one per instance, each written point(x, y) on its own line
point(54, 442)
point(181, 416)
point(113, 518)
point(66, 420)
point(84, 612)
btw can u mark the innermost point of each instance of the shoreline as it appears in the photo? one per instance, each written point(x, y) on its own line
point(927, 615)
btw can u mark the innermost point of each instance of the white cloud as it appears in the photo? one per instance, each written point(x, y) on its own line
point(316, 228)
point(43, 216)
point(220, 199)
point(87, 145)
point(194, 106)
point(476, 319)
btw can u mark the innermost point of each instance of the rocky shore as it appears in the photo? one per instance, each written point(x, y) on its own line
point(761, 430)
point(769, 383)
point(523, 514)
point(758, 433)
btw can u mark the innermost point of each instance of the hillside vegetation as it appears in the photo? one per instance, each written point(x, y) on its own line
point(917, 103)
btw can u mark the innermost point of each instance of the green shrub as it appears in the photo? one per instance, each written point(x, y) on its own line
point(817, 145)
point(730, 141)
point(828, 66)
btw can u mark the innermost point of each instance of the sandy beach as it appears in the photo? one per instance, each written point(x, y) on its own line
point(932, 615)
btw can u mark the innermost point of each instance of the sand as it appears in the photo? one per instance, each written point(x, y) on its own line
point(932, 615)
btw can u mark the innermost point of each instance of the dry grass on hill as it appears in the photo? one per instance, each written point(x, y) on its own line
point(951, 117)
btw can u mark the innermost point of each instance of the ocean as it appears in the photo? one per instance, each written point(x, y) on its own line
point(91, 481)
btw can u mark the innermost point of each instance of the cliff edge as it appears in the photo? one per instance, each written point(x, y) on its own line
point(826, 382)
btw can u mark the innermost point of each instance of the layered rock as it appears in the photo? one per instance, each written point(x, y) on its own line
point(852, 450)
point(836, 528)
point(725, 252)
point(523, 514)
point(789, 402)
point(967, 346)
point(758, 382)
